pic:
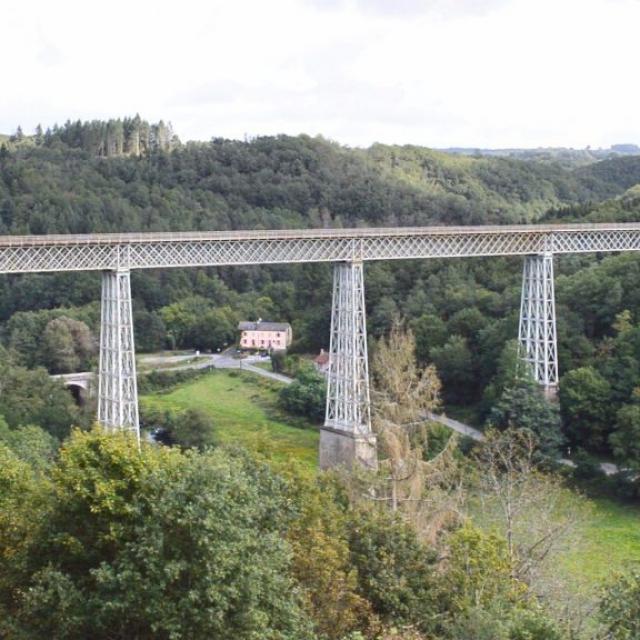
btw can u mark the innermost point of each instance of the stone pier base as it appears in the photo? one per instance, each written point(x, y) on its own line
point(343, 448)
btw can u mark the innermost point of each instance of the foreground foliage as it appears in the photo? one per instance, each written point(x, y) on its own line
point(118, 544)
point(110, 542)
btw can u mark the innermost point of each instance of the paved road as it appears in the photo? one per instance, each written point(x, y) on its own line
point(460, 427)
point(607, 468)
point(217, 360)
point(225, 361)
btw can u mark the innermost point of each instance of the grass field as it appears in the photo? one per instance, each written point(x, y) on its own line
point(244, 409)
point(611, 541)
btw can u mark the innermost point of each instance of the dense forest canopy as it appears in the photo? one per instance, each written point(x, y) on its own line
point(61, 182)
point(129, 175)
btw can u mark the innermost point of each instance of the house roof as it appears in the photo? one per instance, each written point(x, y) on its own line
point(261, 325)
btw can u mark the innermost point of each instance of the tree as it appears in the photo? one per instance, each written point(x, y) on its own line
point(625, 439)
point(478, 577)
point(430, 331)
point(403, 397)
point(531, 624)
point(509, 368)
point(153, 544)
point(30, 443)
point(149, 330)
point(396, 573)
point(523, 406)
point(278, 361)
point(193, 428)
point(532, 510)
point(585, 404)
point(67, 345)
point(21, 516)
point(306, 395)
point(455, 367)
point(403, 392)
point(59, 350)
point(319, 539)
point(34, 398)
point(18, 136)
point(620, 607)
point(468, 323)
point(194, 323)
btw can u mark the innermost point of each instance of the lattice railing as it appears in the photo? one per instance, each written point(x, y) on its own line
point(147, 251)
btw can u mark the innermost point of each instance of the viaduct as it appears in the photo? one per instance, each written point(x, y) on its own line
point(346, 436)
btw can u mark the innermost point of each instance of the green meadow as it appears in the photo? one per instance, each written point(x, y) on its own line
point(610, 541)
point(245, 411)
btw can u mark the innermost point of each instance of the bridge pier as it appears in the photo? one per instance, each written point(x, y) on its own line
point(346, 437)
point(537, 331)
point(117, 385)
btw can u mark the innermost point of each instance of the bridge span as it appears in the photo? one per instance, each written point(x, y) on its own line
point(52, 253)
point(346, 437)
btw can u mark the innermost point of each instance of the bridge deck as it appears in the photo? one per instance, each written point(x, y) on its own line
point(288, 234)
point(24, 254)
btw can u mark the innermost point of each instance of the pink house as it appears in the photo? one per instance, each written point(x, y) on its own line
point(266, 336)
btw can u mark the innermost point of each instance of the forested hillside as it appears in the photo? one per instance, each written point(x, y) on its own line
point(463, 313)
point(60, 182)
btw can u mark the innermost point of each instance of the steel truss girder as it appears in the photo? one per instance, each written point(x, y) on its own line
point(117, 384)
point(348, 403)
point(24, 254)
point(537, 330)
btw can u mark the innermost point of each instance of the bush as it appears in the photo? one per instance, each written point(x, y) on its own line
point(306, 395)
point(192, 428)
point(620, 607)
point(164, 380)
point(587, 466)
point(532, 625)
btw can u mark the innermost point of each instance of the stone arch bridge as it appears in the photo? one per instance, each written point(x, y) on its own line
point(346, 436)
point(81, 384)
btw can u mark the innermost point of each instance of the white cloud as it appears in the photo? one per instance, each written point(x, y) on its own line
point(434, 72)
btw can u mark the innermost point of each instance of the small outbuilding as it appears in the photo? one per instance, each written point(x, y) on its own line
point(321, 362)
point(263, 335)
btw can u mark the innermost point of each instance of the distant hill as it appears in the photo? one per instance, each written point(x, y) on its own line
point(129, 175)
point(567, 157)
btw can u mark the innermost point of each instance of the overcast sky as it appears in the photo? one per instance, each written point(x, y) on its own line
point(475, 73)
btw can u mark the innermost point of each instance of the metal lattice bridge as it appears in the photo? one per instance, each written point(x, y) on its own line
point(346, 436)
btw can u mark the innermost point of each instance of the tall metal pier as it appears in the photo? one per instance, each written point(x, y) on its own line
point(537, 331)
point(117, 384)
point(346, 436)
